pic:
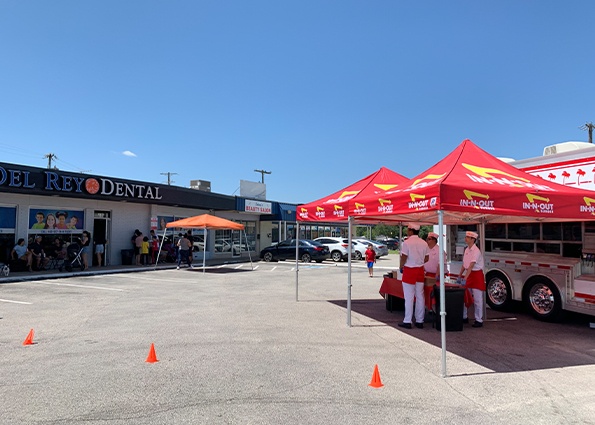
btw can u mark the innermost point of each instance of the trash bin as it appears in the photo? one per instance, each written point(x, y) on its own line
point(453, 305)
point(127, 255)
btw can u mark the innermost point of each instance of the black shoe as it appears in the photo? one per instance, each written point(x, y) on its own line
point(477, 324)
point(405, 325)
point(465, 321)
point(419, 325)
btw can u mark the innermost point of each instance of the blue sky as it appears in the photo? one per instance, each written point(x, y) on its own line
point(320, 93)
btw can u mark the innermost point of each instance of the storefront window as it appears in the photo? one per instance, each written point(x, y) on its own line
point(523, 231)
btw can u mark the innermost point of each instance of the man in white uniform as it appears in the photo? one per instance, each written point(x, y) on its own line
point(414, 253)
point(432, 266)
point(472, 272)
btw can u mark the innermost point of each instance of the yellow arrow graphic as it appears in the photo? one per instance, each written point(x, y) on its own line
point(488, 172)
point(358, 206)
point(532, 198)
point(470, 194)
point(385, 187)
point(319, 209)
point(348, 193)
point(415, 196)
point(384, 201)
point(429, 177)
point(588, 201)
point(338, 207)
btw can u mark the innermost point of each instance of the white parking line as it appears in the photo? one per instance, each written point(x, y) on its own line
point(81, 286)
point(15, 302)
point(255, 267)
point(238, 267)
point(273, 269)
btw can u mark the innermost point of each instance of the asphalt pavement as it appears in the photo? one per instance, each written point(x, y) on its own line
point(235, 347)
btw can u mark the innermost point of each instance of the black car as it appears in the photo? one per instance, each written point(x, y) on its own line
point(391, 243)
point(308, 250)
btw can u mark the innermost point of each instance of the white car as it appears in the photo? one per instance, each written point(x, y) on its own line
point(337, 247)
point(360, 249)
point(380, 248)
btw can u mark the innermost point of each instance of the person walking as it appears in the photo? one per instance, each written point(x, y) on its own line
point(370, 259)
point(85, 243)
point(414, 253)
point(100, 242)
point(472, 273)
point(184, 247)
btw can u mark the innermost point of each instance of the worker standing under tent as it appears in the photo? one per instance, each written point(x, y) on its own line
point(472, 272)
point(414, 254)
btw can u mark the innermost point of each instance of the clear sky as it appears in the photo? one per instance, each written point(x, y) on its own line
point(321, 93)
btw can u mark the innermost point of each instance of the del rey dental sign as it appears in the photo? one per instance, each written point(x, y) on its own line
point(258, 207)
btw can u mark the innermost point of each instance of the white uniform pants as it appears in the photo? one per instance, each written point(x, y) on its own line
point(414, 291)
point(477, 305)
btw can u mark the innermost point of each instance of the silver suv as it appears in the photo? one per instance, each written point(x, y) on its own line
point(337, 247)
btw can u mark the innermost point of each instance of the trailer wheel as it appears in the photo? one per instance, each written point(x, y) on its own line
point(543, 299)
point(498, 291)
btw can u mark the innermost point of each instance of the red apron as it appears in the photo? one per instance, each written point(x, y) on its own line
point(476, 280)
point(412, 275)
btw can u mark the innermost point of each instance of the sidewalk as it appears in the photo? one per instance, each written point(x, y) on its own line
point(93, 271)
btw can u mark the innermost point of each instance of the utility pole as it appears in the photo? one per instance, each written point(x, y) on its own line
point(50, 157)
point(262, 173)
point(169, 180)
point(589, 126)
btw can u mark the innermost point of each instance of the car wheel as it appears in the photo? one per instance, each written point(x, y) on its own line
point(498, 291)
point(543, 299)
point(358, 255)
point(306, 258)
point(268, 257)
point(336, 256)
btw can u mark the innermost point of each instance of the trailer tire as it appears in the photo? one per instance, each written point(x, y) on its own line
point(498, 291)
point(543, 299)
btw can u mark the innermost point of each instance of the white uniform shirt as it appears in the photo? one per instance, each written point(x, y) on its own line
point(416, 250)
point(434, 261)
point(471, 255)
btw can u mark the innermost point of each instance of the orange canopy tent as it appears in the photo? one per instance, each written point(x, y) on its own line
point(206, 222)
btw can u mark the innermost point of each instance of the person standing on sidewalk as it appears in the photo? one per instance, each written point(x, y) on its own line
point(472, 273)
point(432, 266)
point(184, 245)
point(370, 259)
point(414, 253)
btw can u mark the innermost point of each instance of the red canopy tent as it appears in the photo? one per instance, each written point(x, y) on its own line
point(470, 185)
point(335, 206)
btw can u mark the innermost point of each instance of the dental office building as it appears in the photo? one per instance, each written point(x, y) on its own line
point(55, 203)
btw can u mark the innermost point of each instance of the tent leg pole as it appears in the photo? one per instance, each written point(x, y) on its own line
point(350, 223)
point(297, 264)
point(442, 293)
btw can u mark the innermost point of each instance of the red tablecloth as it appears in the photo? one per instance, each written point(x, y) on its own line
point(395, 287)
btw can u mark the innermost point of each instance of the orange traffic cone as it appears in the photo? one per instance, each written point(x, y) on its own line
point(152, 358)
point(29, 339)
point(376, 382)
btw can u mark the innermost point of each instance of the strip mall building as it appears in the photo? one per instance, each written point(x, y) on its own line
point(55, 203)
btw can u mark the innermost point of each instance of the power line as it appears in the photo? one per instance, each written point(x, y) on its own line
point(262, 173)
point(588, 126)
point(50, 157)
point(169, 180)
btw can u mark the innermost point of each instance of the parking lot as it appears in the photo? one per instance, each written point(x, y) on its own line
point(234, 347)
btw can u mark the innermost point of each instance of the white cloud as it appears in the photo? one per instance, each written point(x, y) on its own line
point(128, 153)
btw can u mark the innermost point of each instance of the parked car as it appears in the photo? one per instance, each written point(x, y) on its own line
point(337, 247)
point(380, 248)
point(360, 249)
point(391, 243)
point(308, 250)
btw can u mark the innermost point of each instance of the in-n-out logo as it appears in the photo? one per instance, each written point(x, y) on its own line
point(320, 213)
point(589, 206)
point(338, 211)
point(360, 209)
point(480, 201)
point(418, 202)
point(303, 213)
point(538, 204)
point(385, 206)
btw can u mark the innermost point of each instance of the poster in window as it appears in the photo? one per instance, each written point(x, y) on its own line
point(56, 221)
